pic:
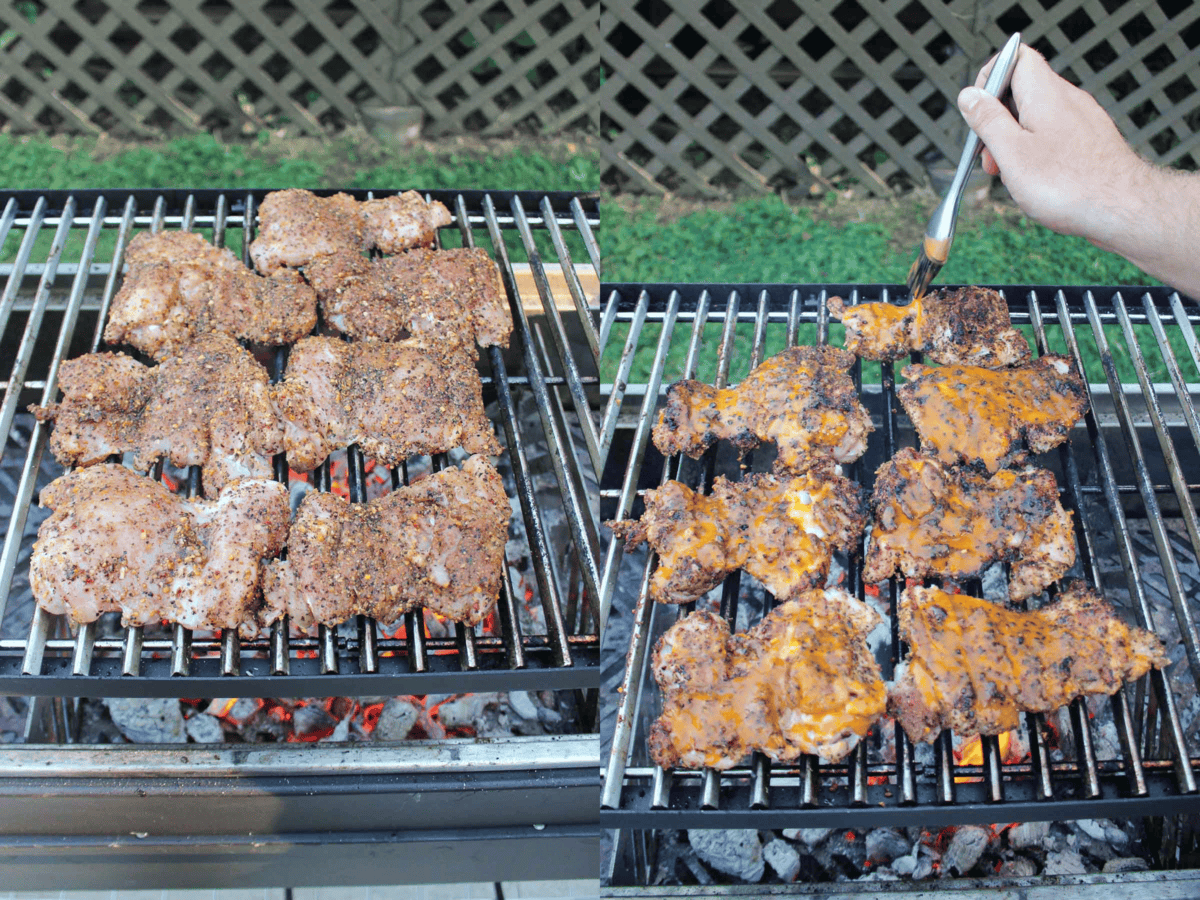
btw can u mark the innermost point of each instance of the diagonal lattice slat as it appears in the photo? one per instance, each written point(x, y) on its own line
point(148, 67)
point(723, 97)
point(708, 98)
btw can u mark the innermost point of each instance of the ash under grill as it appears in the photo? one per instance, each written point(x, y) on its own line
point(1128, 473)
point(83, 234)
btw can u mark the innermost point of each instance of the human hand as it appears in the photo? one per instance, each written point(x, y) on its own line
point(1062, 157)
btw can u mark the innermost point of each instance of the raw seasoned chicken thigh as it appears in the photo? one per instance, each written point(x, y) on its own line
point(120, 542)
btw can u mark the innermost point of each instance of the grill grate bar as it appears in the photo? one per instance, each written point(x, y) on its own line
point(1162, 693)
point(641, 437)
point(906, 775)
point(663, 777)
point(1190, 415)
point(558, 649)
point(584, 226)
point(368, 659)
point(33, 229)
point(12, 396)
point(711, 792)
point(579, 600)
point(760, 790)
point(621, 380)
point(573, 287)
point(609, 315)
point(37, 442)
point(7, 219)
point(579, 520)
point(280, 654)
point(1187, 623)
point(1174, 470)
point(644, 609)
point(539, 547)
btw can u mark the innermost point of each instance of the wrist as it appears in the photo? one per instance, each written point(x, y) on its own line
point(1121, 216)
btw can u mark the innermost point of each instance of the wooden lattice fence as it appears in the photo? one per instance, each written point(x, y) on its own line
point(148, 67)
point(709, 98)
point(720, 97)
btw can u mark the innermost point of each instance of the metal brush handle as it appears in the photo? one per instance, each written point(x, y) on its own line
point(940, 233)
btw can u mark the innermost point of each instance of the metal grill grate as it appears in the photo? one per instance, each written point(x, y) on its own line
point(356, 657)
point(1129, 461)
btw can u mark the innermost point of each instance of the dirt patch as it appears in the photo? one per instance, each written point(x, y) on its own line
point(345, 154)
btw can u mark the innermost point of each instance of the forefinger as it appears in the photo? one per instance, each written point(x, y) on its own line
point(1030, 67)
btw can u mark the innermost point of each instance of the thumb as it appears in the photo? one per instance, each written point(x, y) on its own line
point(991, 120)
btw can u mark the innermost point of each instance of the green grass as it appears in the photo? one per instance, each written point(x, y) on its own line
point(766, 241)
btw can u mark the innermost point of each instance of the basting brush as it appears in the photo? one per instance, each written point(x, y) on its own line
point(935, 248)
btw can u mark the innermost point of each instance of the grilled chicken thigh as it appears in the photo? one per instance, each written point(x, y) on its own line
point(931, 519)
point(801, 681)
point(179, 286)
point(438, 544)
point(974, 666)
point(975, 415)
point(802, 399)
point(782, 530)
point(966, 326)
point(395, 400)
point(120, 542)
point(438, 295)
point(296, 227)
point(208, 407)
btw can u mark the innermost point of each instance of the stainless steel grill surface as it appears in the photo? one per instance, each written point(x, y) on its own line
point(1132, 465)
point(81, 236)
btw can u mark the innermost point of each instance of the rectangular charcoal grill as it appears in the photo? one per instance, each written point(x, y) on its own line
point(344, 660)
point(245, 815)
point(1135, 457)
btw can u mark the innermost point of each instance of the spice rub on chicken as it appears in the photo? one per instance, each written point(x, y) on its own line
point(296, 226)
point(993, 417)
point(934, 520)
point(394, 400)
point(208, 407)
point(179, 286)
point(974, 666)
point(782, 530)
point(437, 544)
point(802, 399)
point(120, 542)
point(442, 295)
point(964, 326)
point(803, 680)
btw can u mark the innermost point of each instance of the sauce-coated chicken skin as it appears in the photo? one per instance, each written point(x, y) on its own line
point(974, 666)
point(118, 541)
point(438, 544)
point(438, 295)
point(930, 519)
point(966, 326)
point(802, 399)
point(208, 407)
point(803, 680)
point(782, 530)
point(975, 415)
point(395, 400)
point(179, 286)
point(296, 227)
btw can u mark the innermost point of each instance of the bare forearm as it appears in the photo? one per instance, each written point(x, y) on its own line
point(1161, 231)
